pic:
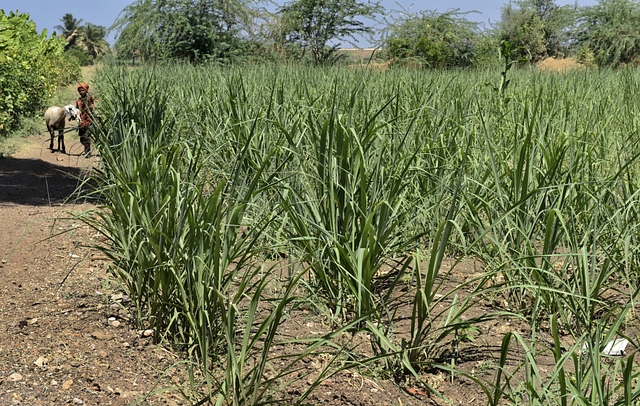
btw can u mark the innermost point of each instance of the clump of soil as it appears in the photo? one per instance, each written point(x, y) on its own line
point(559, 65)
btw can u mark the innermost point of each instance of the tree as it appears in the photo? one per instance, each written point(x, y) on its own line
point(88, 38)
point(610, 31)
point(558, 23)
point(136, 31)
point(523, 28)
point(314, 24)
point(70, 29)
point(540, 28)
point(432, 39)
point(92, 40)
point(177, 29)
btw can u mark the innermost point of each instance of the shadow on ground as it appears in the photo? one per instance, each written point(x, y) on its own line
point(36, 182)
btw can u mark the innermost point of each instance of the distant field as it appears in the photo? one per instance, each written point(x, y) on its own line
point(358, 54)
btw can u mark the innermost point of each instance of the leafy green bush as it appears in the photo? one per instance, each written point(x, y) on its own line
point(524, 29)
point(537, 28)
point(487, 51)
point(82, 58)
point(585, 56)
point(179, 30)
point(31, 68)
point(611, 30)
point(432, 40)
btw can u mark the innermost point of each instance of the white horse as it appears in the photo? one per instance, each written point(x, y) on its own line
point(56, 119)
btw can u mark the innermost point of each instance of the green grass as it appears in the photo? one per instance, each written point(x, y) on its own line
point(351, 175)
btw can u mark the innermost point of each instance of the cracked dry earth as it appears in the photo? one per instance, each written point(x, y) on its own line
point(65, 336)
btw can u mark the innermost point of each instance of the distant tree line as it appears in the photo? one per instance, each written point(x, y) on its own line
point(606, 34)
point(85, 43)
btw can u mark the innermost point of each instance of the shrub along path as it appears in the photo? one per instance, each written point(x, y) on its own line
point(65, 334)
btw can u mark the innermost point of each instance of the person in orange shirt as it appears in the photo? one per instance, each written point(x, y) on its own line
point(86, 105)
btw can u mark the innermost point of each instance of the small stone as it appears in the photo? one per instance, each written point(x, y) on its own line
point(15, 377)
point(66, 385)
point(54, 382)
point(147, 333)
point(41, 362)
point(114, 323)
point(100, 336)
point(102, 354)
point(77, 401)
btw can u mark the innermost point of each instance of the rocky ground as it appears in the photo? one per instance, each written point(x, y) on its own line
point(65, 334)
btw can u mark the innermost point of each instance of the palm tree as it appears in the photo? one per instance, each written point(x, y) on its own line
point(70, 29)
point(92, 40)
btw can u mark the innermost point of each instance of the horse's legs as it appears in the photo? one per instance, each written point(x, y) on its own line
point(51, 132)
point(61, 140)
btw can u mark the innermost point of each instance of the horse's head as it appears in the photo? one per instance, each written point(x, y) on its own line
point(71, 112)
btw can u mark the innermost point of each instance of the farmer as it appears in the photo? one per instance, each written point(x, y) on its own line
point(85, 104)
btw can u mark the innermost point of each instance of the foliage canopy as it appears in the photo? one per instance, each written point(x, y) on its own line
point(70, 29)
point(432, 39)
point(88, 39)
point(321, 25)
point(539, 28)
point(611, 31)
point(175, 29)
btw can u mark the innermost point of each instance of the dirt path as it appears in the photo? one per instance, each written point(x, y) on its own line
point(64, 335)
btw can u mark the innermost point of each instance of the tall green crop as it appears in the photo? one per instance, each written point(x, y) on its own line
point(209, 171)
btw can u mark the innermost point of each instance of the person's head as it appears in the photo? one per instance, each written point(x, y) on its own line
point(83, 88)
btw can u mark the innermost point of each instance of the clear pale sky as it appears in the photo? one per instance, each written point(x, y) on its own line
point(47, 13)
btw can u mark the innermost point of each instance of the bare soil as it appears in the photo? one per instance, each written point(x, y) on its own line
point(559, 65)
point(66, 335)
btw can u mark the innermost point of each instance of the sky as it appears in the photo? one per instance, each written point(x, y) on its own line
point(47, 13)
